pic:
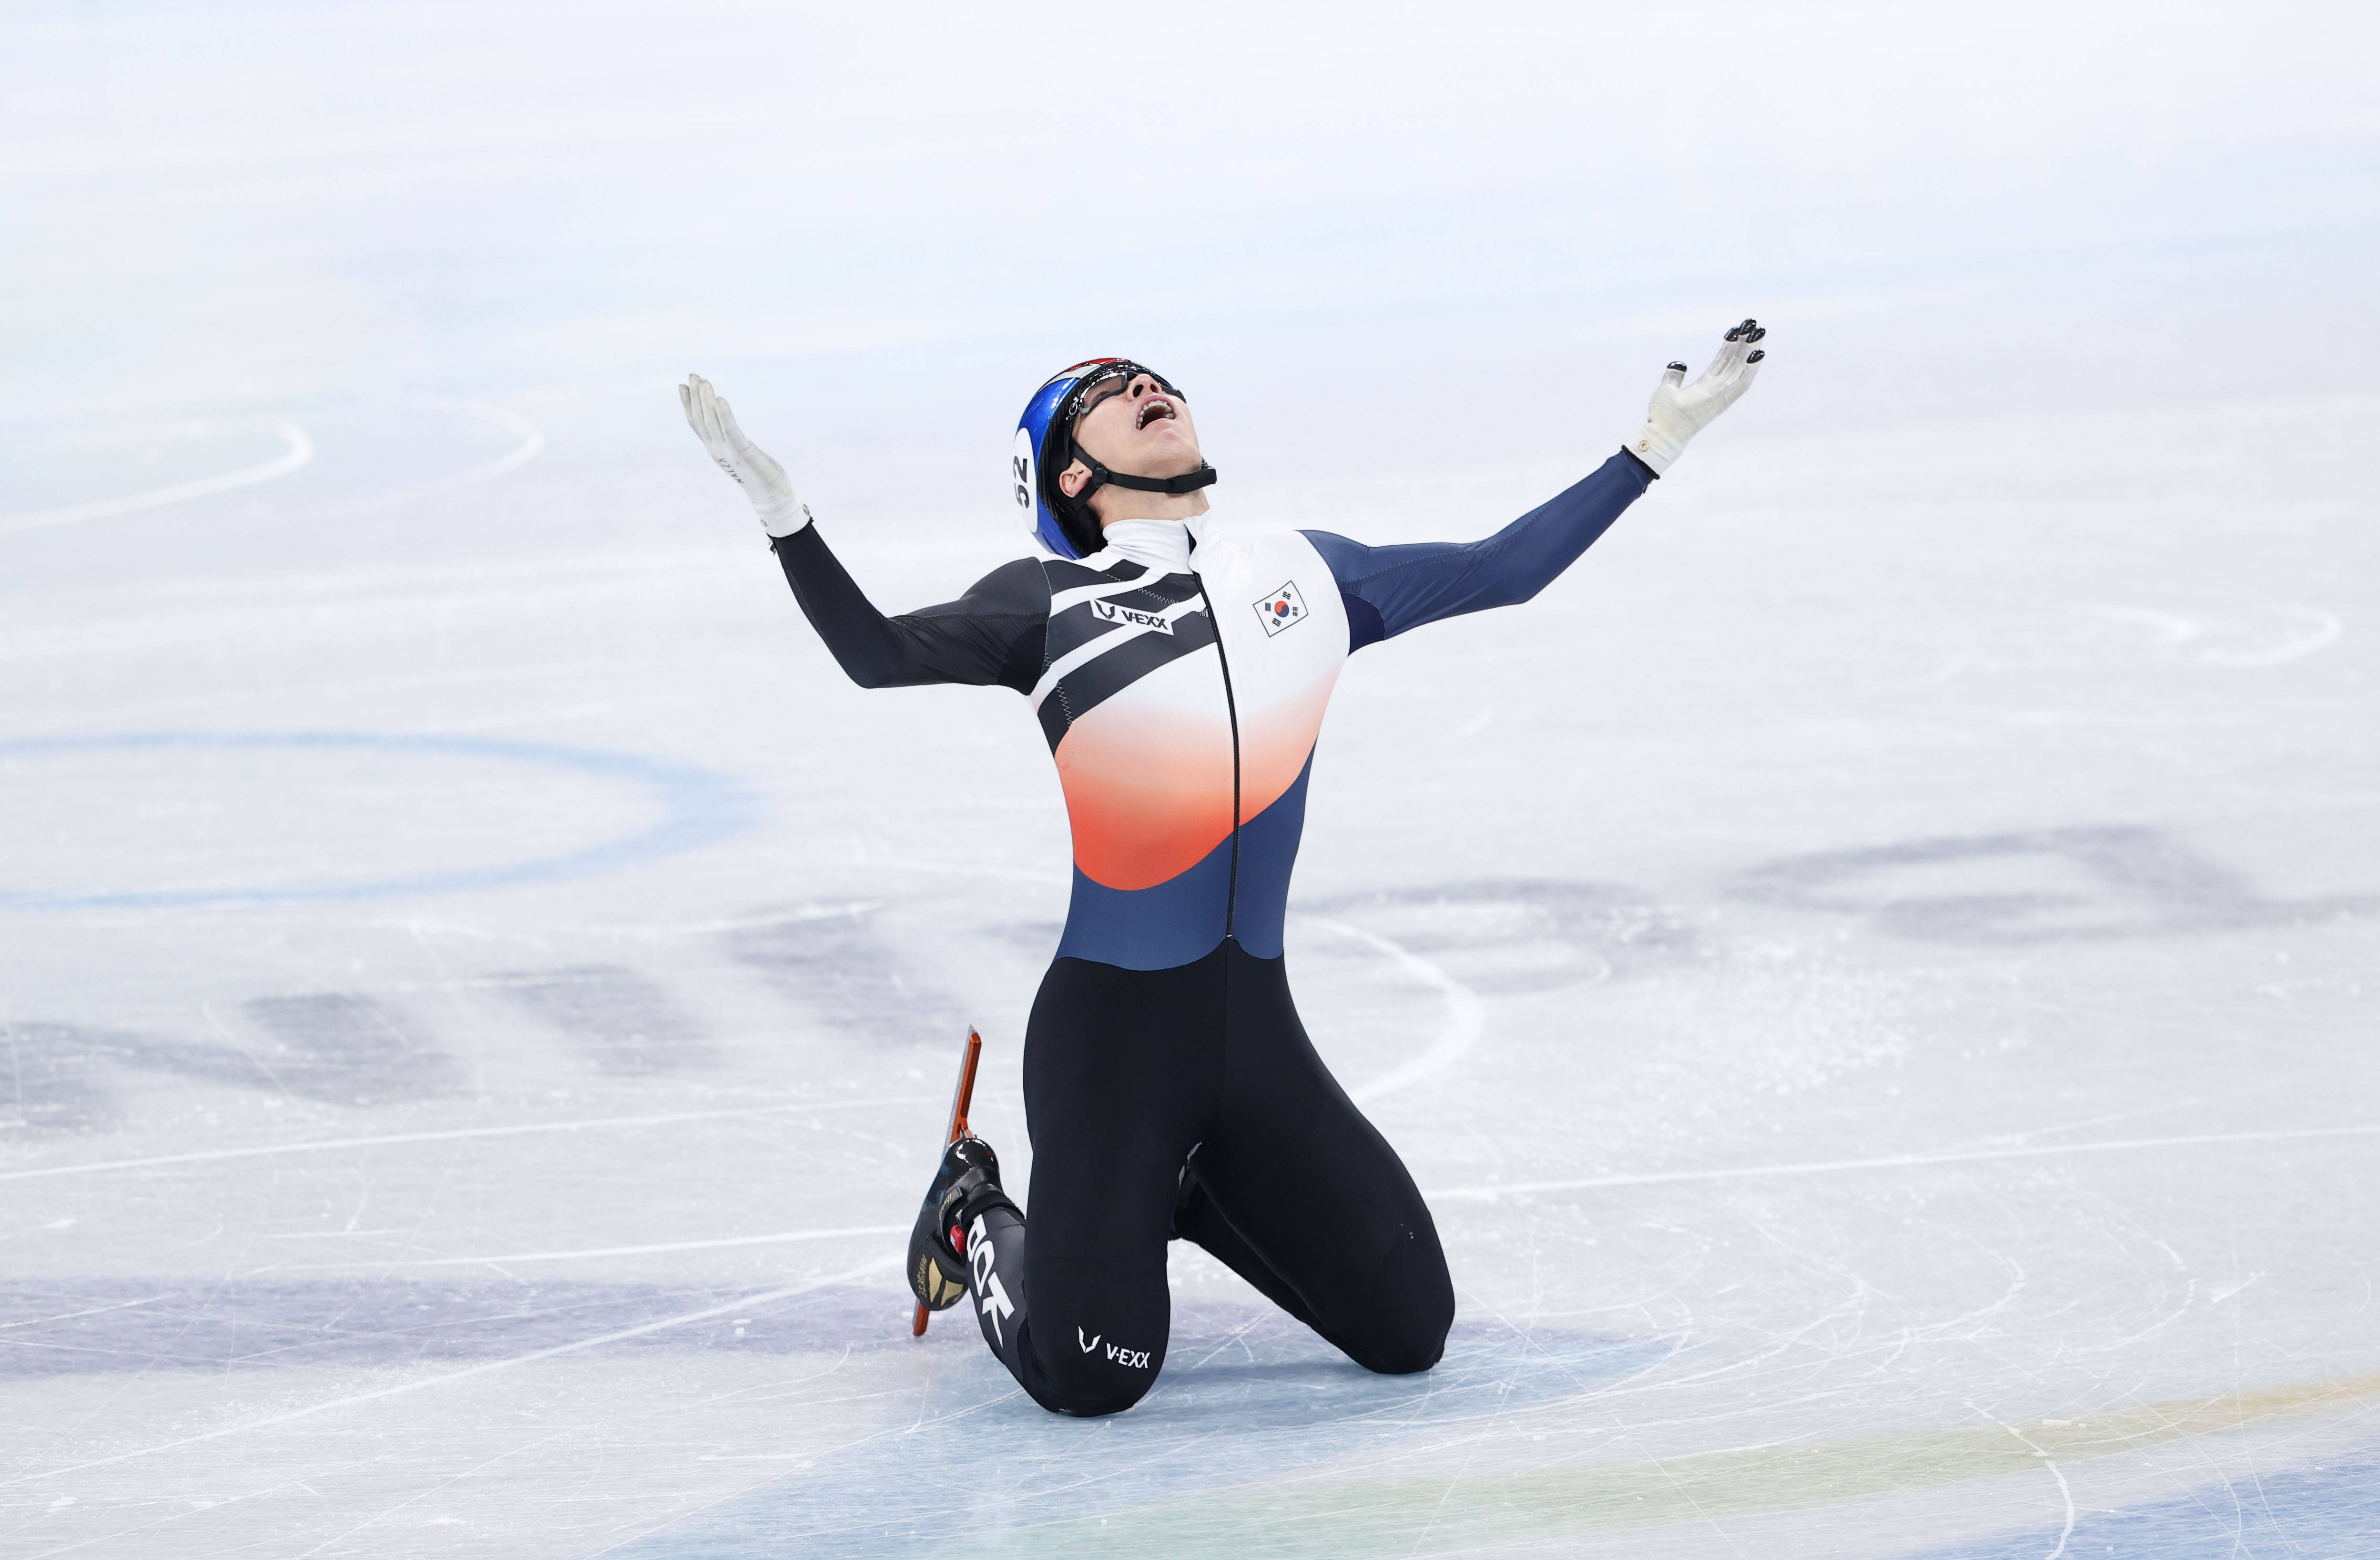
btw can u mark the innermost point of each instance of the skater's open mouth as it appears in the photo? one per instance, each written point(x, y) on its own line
point(1153, 409)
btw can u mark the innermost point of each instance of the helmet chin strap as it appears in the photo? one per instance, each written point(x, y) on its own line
point(1189, 481)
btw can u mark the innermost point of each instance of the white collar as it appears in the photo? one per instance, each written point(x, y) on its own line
point(1163, 546)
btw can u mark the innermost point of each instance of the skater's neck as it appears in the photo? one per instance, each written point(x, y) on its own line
point(1113, 505)
point(1153, 543)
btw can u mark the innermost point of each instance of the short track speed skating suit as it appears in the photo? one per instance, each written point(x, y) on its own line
point(1181, 677)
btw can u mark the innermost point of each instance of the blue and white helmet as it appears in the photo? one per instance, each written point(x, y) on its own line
point(1045, 447)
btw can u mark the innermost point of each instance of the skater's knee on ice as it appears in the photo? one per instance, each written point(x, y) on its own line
point(1402, 1346)
point(1406, 1354)
point(1403, 1338)
point(1086, 1393)
point(1402, 1326)
point(1108, 1399)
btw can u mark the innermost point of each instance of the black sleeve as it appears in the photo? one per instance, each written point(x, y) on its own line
point(993, 634)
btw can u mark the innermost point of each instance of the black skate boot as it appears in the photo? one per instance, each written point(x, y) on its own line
point(967, 1182)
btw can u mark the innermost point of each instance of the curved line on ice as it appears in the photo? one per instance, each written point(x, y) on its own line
point(531, 445)
point(298, 454)
point(1464, 1016)
point(2325, 628)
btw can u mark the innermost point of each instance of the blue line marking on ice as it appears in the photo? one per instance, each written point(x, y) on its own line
point(2331, 1508)
point(699, 807)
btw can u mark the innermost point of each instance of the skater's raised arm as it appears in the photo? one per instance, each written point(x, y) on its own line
point(1389, 589)
point(993, 634)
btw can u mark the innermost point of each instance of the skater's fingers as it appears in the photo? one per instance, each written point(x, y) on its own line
point(1674, 375)
point(1751, 358)
point(1738, 346)
point(1746, 372)
point(707, 399)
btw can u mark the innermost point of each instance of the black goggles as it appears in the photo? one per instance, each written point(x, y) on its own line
point(1104, 383)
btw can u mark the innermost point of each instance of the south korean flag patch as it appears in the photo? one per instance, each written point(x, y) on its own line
point(1281, 609)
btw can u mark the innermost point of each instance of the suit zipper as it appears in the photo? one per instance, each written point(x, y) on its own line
point(1232, 709)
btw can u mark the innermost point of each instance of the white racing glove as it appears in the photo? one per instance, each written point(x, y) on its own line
point(763, 481)
point(1680, 411)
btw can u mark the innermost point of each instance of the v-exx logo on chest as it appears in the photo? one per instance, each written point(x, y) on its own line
point(1132, 615)
point(1281, 609)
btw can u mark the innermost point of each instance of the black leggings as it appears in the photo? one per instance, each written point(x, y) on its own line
point(1126, 1072)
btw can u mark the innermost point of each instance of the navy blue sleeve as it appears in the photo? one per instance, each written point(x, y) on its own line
point(1389, 589)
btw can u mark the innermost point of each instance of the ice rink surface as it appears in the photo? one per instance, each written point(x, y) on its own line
point(1874, 970)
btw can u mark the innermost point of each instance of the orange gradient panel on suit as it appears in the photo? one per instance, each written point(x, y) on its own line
point(1148, 776)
